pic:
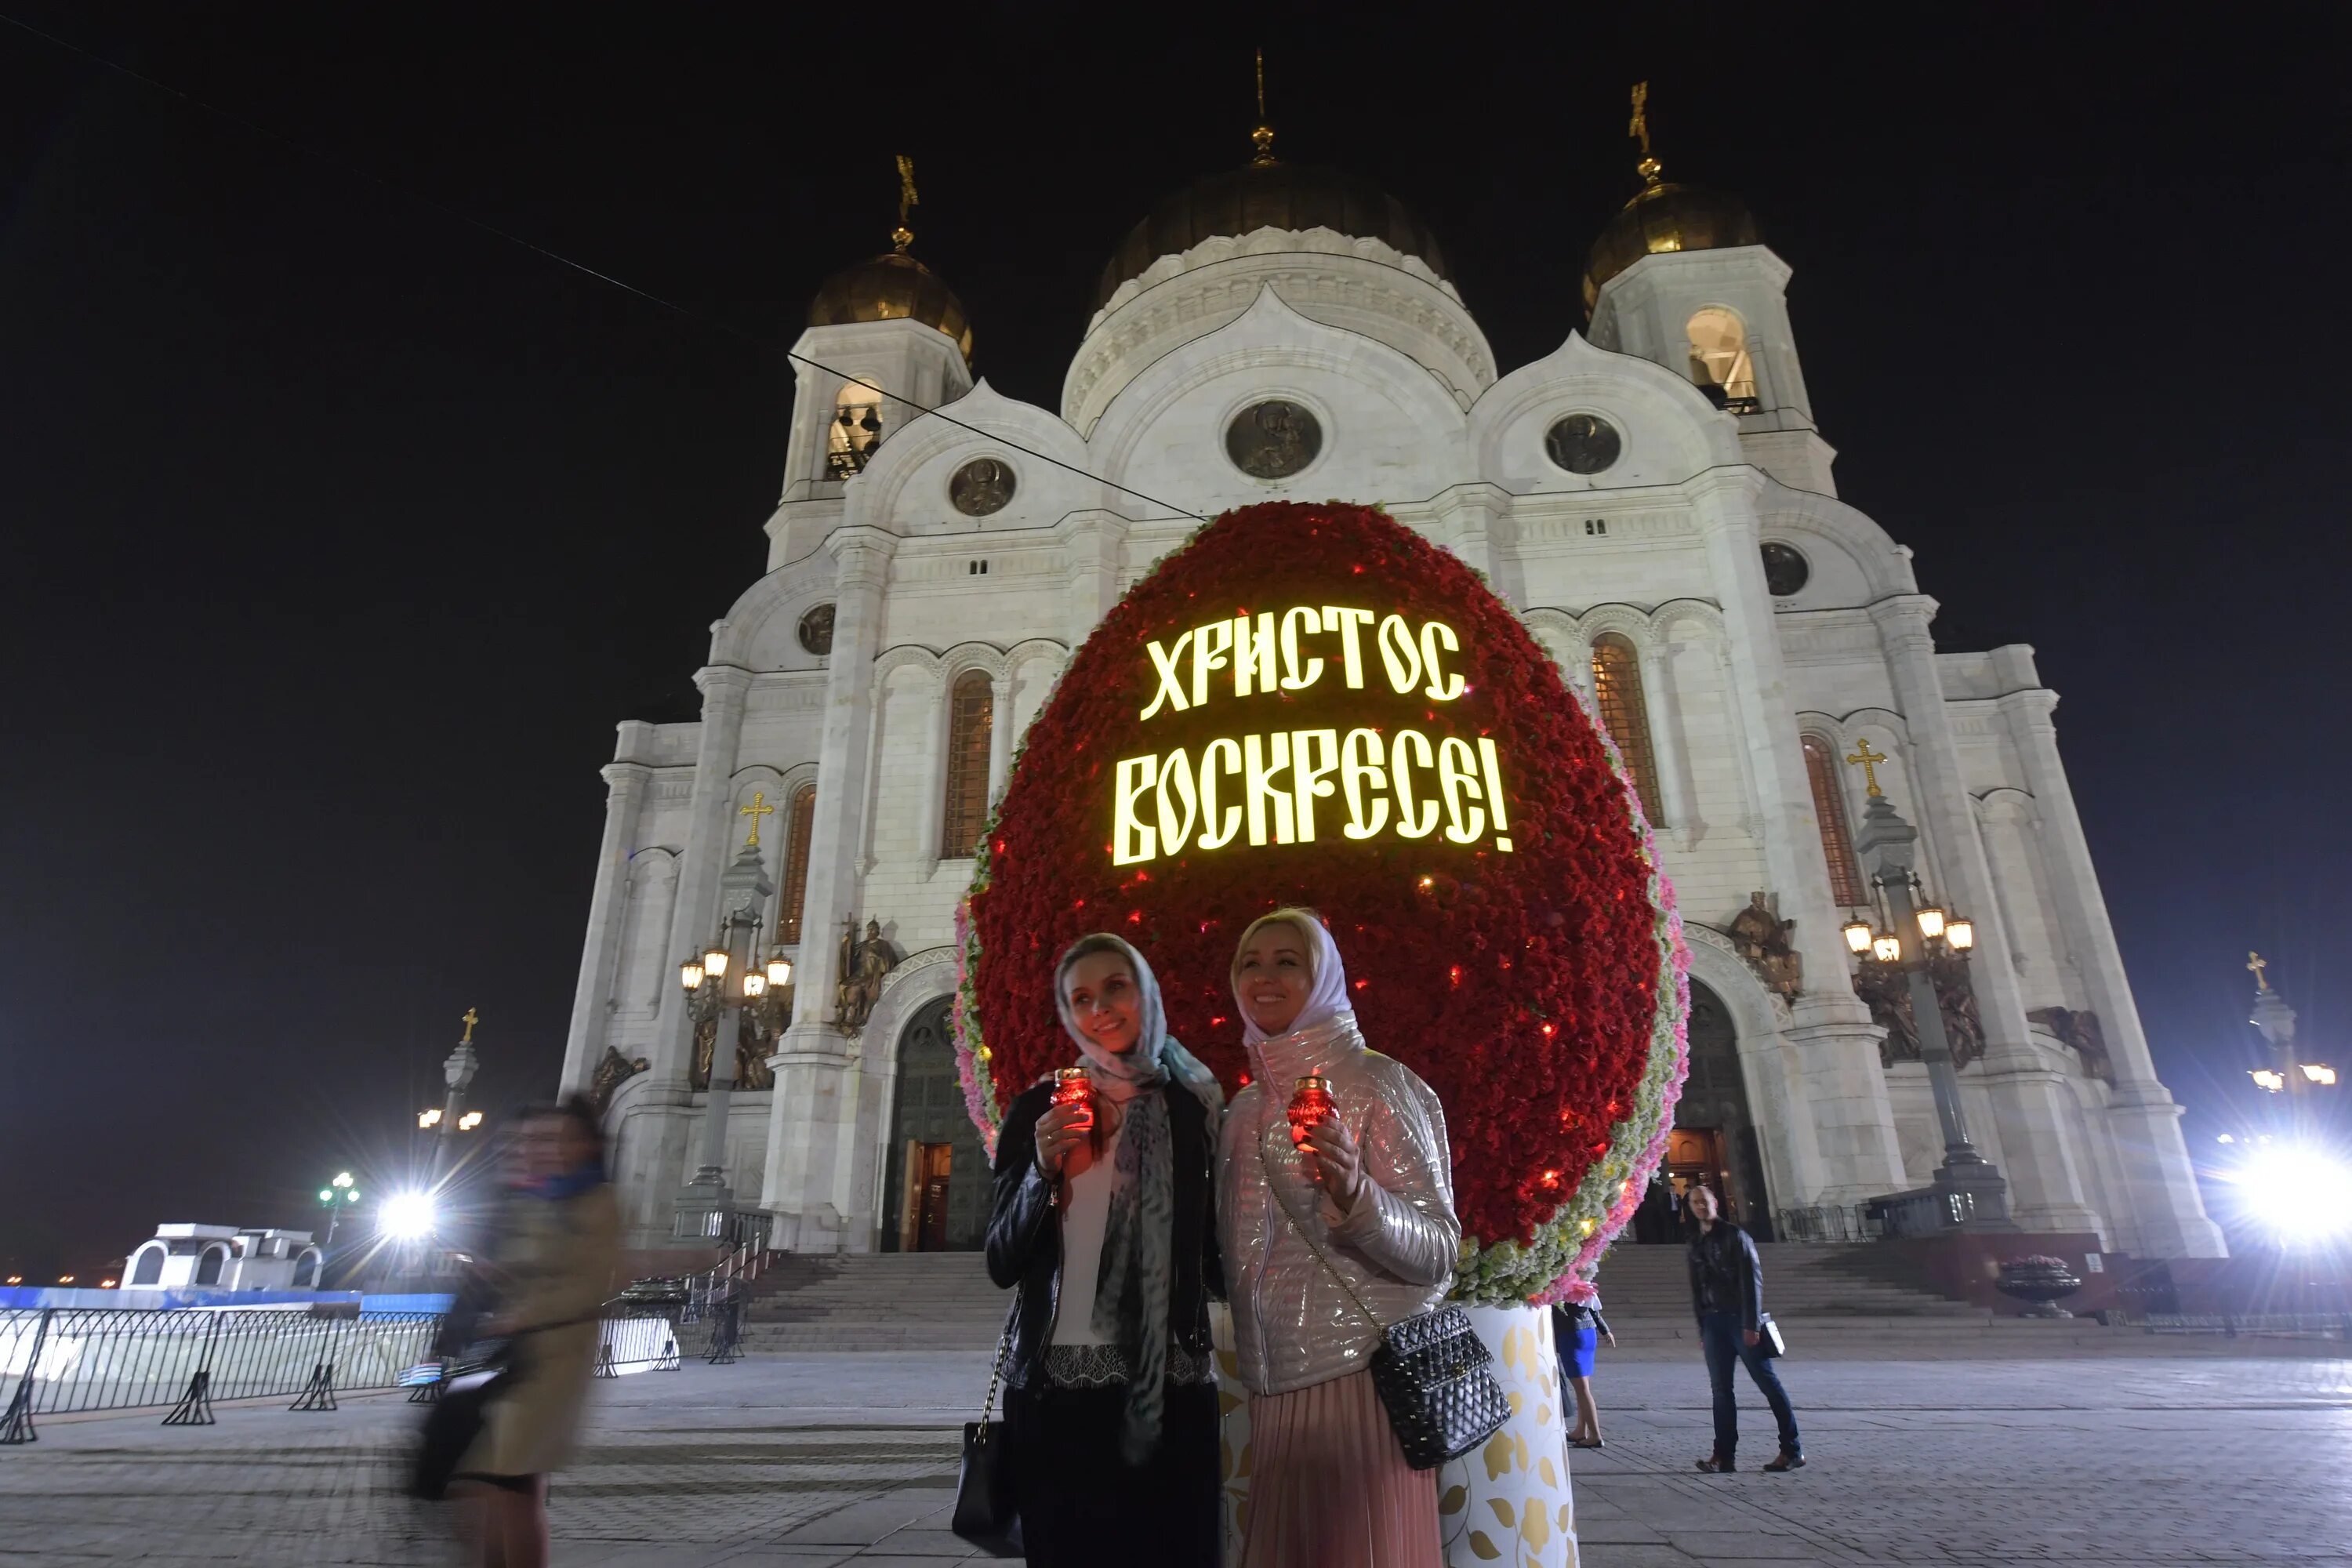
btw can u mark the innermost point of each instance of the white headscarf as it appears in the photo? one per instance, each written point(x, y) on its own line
point(1327, 1000)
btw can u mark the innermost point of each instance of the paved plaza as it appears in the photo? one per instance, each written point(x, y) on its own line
point(810, 1461)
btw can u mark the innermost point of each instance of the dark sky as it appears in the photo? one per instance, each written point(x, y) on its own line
point(339, 533)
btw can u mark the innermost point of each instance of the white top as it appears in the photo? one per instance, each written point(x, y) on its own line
point(1083, 1221)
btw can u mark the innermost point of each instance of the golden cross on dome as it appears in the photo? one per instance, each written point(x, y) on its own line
point(902, 237)
point(1262, 134)
point(1868, 760)
point(756, 810)
point(2257, 963)
point(1649, 168)
point(469, 1020)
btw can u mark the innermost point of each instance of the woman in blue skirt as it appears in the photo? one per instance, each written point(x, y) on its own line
point(1577, 1329)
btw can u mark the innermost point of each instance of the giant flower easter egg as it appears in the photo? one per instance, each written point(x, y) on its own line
point(1311, 704)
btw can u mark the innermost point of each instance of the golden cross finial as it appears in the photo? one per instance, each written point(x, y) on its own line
point(1262, 134)
point(1869, 761)
point(2257, 963)
point(1648, 168)
point(756, 810)
point(902, 237)
point(469, 1020)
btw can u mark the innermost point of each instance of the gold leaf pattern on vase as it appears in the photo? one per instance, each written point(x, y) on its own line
point(1483, 1547)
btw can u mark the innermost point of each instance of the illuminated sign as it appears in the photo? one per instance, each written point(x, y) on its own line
point(1264, 788)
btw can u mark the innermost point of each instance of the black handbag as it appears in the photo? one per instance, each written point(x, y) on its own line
point(1770, 1340)
point(985, 1511)
point(456, 1419)
point(1431, 1372)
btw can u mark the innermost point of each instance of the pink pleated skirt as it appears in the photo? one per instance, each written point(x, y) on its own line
point(1329, 1487)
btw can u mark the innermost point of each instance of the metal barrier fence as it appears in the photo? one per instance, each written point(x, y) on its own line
point(68, 1360)
point(57, 1359)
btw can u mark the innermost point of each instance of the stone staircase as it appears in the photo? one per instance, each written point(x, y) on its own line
point(876, 1301)
point(1831, 1300)
point(1645, 1293)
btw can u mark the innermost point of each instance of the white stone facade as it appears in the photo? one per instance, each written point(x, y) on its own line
point(1663, 546)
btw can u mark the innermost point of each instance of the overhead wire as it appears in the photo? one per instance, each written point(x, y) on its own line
point(330, 155)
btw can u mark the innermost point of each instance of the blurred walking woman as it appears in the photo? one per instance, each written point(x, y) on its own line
point(1329, 1487)
point(557, 1244)
point(1104, 1218)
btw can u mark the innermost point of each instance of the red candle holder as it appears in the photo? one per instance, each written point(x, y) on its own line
point(1071, 1087)
point(1310, 1102)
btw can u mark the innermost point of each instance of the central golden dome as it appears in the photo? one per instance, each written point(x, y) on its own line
point(891, 287)
point(1268, 195)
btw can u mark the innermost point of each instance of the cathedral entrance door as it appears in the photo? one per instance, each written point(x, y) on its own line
point(1715, 1133)
point(930, 1217)
point(937, 1186)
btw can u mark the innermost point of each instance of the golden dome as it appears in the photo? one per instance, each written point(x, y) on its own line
point(1268, 195)
point(1664, 218)
point(891, 287)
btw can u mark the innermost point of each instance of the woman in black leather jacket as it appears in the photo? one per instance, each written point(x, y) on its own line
point(1104, 1219)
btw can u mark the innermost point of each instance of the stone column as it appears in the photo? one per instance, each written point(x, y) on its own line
point(2046, 1178)
point(625, 794)
point(1844, 1088)
point(2142, 1118)
point(1097, 554)
point(812, 1115)
point(1000, 735)
point(710, 831)
point(1677, 786)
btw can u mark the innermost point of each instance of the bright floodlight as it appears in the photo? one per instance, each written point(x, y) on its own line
point(2301, 1192)
point(2274, 1081)
point(406, 1216)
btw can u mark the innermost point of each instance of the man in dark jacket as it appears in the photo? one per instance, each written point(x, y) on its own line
point(1727, 1292)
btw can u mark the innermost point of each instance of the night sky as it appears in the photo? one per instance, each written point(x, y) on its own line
point(339, 533)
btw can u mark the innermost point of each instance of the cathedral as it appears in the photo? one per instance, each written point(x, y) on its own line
point(1655, 499)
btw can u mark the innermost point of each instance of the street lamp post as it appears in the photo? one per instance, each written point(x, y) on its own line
point(2287, 1074)
point(727, 978)
point(336, 1194)
point(1914, 934)
point(457, 1072)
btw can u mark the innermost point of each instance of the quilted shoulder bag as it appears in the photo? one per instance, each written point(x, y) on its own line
point(985, 1511)
point(1433, 1373)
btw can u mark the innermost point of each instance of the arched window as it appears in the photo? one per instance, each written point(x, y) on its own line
point(1617, 692)
point(1719, 359)
point(147, 1269)
point(1837, 838)
point(798, 819)
point(855, 431)
point(971, 715)
point(208, 1266)
point(306, 1271)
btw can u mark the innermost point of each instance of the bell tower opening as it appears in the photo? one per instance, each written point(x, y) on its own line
point(1720, 361)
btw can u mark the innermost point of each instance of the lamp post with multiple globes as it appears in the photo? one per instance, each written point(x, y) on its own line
point(2288, 1074)
point(722, 983)
point(1915, 934)
point(333, 1198)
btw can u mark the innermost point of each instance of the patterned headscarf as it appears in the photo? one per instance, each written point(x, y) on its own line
point(1327, 1000)
point(1132, 1284)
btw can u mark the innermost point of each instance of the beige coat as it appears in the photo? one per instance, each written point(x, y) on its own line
point(555, 1268)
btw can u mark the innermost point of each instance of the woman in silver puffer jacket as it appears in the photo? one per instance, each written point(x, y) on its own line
point(1373, 1184)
